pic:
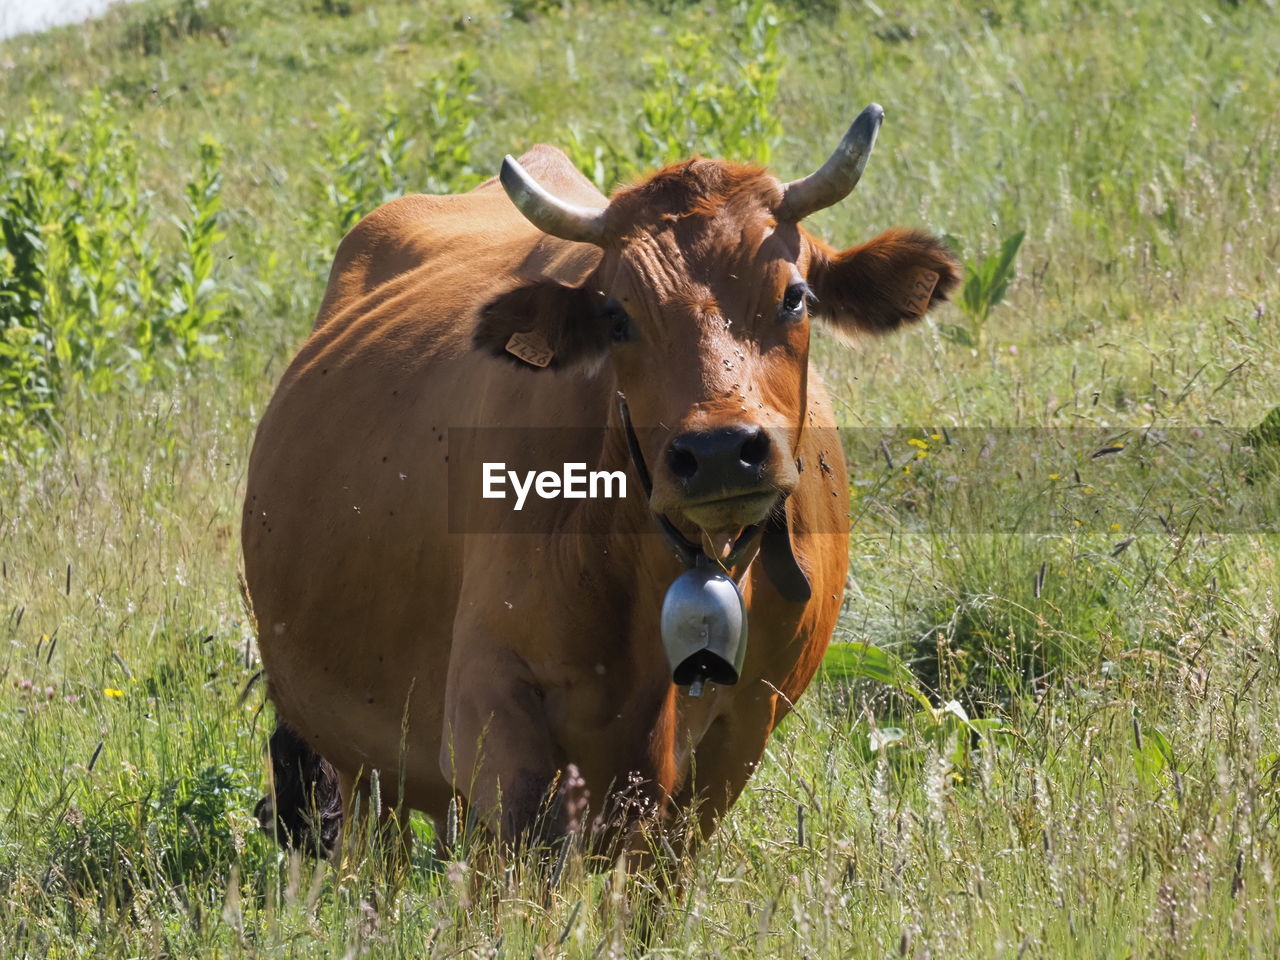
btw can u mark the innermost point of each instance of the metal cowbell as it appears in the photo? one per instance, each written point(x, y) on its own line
point(704, 628)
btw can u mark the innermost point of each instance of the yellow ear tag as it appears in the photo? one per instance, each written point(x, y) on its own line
point(918, 294)
point(531, 347)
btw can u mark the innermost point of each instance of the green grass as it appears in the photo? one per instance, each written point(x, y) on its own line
point(1130, 809)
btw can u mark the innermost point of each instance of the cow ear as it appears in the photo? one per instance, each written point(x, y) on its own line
point(542, 325)
point(896, 278)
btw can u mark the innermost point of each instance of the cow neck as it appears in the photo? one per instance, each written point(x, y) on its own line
point(626, 525)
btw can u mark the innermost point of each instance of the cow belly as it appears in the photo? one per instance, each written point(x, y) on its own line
point(360, 682)
point(349, 568)
point(354, 654)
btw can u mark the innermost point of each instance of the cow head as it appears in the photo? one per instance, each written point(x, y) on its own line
point(702, 304)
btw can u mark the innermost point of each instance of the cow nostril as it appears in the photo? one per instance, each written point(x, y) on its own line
point(718, 459)
point(755, 449)
point(683, 463)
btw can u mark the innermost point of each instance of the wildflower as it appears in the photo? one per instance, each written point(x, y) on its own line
point(916, 442)
point(112, 692)
point(1055, 476)
point(1115, 527)
point(920, 454)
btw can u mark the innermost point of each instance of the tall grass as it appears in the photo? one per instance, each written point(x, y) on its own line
point(1112, 790)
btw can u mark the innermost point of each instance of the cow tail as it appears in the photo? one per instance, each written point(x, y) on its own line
point(303, 807)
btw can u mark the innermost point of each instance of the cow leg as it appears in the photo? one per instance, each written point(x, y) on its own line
point(723, 762)
point(394, 838)
point(302, 809)
point(498, 752)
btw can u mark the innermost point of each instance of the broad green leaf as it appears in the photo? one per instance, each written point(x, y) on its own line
point(989, 726)
point(1266, 433)
point(1154, 757)
point(1157, 740)
point(882, 737)
point(957, 334)
point(987, 281)
point(1004, 273)
point(857, 660)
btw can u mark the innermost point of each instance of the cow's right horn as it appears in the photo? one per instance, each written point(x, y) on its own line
point(836, 178)
point(549, 214)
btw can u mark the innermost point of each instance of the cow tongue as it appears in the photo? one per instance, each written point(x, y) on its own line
point(718, 543)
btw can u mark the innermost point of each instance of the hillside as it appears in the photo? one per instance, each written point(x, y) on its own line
point(174, 179)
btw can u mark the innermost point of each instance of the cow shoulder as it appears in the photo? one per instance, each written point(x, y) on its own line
point(383, 245)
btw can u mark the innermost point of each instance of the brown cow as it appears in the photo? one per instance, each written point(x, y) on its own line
point(472, 663)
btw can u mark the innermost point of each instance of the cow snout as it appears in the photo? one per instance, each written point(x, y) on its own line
point(722, 461)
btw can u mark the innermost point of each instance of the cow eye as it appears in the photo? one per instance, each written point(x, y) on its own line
point(618, 321)
point(792, 306)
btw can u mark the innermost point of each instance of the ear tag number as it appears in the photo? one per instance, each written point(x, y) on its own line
point(531, 347)
point(918, 294)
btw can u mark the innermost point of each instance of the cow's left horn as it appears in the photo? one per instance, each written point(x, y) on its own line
point(549, 214)
point(836, 178)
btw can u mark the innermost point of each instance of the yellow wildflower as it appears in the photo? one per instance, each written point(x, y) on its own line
point(112, 692)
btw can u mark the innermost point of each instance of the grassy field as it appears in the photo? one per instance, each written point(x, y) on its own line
point(1096, 772)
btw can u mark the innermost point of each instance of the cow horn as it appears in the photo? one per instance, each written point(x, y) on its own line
point(836, 178)
point(549, 214)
